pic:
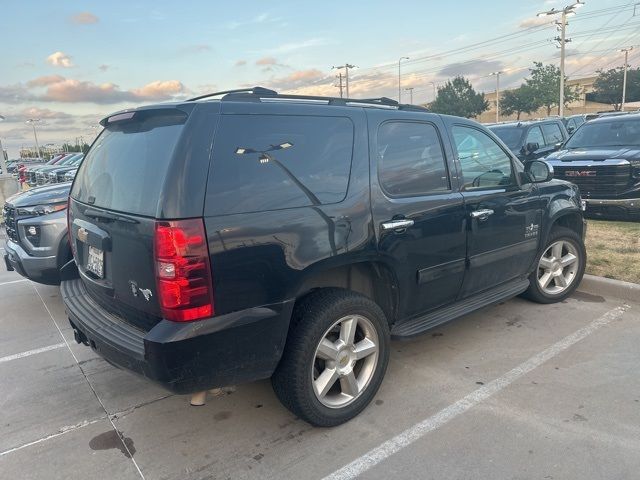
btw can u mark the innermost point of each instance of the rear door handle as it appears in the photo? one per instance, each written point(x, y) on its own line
point(481, 214)
point(399, 224)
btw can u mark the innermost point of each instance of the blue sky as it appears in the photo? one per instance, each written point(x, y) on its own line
point(91, 58)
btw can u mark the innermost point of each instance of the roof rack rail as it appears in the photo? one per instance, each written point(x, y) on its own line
point(254, 90)
point(258, 93)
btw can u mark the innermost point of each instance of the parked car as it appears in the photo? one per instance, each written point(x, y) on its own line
point(30, 171)
point(603, 158)
point(70, 175)
point(42, 176)
point(532, 139)
point(37, 244)
point(312, 231)
point(573, 122)
point(57, 174)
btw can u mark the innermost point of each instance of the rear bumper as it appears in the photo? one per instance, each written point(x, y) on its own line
point(184, 357)
point(614, 207)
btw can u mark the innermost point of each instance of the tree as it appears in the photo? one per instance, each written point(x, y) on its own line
point(608, 87)
point(457, 97)
point(518, 101)
point(545, 84)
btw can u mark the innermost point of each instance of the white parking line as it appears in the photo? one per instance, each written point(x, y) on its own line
point(113, 425)
point(14, 281)
point(62, 431)
point(419, 430)
point(28, 353)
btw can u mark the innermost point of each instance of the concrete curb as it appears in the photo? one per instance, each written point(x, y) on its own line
point(608, 287)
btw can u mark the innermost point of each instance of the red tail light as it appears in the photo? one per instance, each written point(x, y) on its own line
point(183, 272)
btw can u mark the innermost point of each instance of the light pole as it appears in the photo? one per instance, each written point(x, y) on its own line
point(497, 75)
point(32, 122)
point(434, 90)
point(346, 67)
point(624, 76)
point(399, 80)
point(568, 10)
point(410, 90)
point(3, 163)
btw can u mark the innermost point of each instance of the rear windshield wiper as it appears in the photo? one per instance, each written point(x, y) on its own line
point(97, 214)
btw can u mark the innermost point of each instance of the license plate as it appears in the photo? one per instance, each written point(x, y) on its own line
point(95, 262)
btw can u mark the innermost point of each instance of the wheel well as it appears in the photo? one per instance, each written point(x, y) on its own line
point(374, 280)
point(64, 251)
point(572, 221)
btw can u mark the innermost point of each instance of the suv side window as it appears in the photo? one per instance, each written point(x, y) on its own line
point(552, 133)
point(483, 162)
point(271, 162)
point(411, 162)
point(535, 136)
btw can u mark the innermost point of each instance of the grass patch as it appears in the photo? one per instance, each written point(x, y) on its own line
point(613, 250)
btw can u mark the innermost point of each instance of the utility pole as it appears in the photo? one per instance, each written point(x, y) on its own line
point(339, 77)
point(497, 75)
point(410, 90)
point(624, 76)
point(399, 79)
point(562, 25)
point(346, 67)
point(32, 122)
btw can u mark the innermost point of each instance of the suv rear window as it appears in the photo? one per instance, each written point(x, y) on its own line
point(126, 167)
point(271, 162)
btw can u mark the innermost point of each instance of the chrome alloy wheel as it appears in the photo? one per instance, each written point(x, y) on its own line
point(558, 267)
point(345, 361)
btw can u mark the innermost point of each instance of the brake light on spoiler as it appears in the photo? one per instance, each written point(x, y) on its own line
point(183, 271)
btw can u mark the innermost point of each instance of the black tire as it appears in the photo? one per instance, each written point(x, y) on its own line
point(312, 317)
point(535, 292)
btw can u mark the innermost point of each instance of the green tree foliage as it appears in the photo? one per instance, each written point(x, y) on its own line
point(520, 100)
point(457, 97)
point(608, 87)
point(68, 147)
point(545, 85)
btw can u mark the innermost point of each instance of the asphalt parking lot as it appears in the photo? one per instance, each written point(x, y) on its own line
point(514, 391)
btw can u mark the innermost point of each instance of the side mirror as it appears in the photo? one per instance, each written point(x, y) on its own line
point(539, 171)
point(570, 129)
point(558, 145)
point(531, 147)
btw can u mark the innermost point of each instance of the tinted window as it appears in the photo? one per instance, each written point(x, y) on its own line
point(484, 164)
point(126, 167)
point(535, 136)
point(552, 133)
point(270, 162)
point(511, 136)
point(411, 159)
point(606, 134)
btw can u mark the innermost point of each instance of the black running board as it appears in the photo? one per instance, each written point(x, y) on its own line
point(419, 325)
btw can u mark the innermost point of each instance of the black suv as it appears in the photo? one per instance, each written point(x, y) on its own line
point(532, 139)
point(265, 235)
point(603, 158)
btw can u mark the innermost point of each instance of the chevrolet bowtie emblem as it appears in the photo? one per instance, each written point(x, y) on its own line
point(83, 234)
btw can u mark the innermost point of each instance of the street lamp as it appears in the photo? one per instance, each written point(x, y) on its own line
point(624, 77)
point(434, 90)
point(410, 90)
point(497, 75)
point(568, 10)
point(32, 122)
point(3, 163)
point(399, 81)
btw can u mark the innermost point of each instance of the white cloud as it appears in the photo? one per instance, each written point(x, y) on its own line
point(60, 59)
